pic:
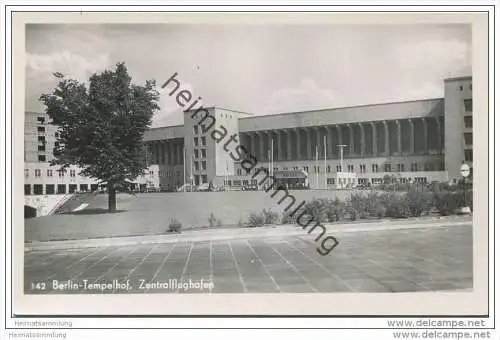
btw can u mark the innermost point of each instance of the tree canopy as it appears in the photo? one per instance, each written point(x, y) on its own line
point(102, 124)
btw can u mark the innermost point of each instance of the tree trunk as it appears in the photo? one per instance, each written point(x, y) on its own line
point(111, 197)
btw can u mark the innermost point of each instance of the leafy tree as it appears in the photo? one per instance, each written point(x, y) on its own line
point(102, 124)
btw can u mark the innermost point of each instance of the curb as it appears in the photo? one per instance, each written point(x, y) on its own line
point(282, 231)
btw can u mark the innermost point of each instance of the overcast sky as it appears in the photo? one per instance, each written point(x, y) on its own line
point(261, 69)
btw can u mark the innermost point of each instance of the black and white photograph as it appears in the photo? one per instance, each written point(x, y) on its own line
point(257, 159)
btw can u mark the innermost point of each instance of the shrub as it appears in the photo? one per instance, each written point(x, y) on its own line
point(447, 202)
point(212, 221)
point(335, 210)
point(175, 226)
point(418, 202)
point(255, 220)
point(270, 217)
point(287, 218)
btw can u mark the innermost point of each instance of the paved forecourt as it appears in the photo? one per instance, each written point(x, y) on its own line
point(397, 260)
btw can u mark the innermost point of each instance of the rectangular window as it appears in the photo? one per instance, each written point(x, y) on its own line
point(72, 173)
point(72, 188)
point(238, 172)
point(203, 141)
point(41, 138)
point(468, 138)
point(306, 169)
point(196, 153)
point(236, 182)
point(26, 173)
point(61, 173)
point(468, 105)
point(50, 189)
point(401, 167)
point(38, 189)
point(84, 187)
point(41, 120)
point(468, 121)
point(41, 158)
point(196, 166)
point(195, 127)
point(203, 165)
point(362, 168)
point(38, 172)
point(339, 168)
point(468, 155)
point(203, 153)
point(245, 182)
point(328, 169)
point(414, 167)
point(195, 141)
point(41, 148)
point(41, 129)
point(374, 167)
point(27, 189)
point(204, 179)
point(387, 167)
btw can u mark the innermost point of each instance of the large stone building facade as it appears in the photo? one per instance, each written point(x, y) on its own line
point(415, 141)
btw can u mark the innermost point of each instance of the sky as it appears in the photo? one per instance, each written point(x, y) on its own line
point(259, 69)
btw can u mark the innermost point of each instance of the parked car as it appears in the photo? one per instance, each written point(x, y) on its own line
point(203, 187)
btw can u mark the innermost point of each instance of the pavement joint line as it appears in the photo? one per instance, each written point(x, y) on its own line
point(264, 266)
point(74, 263)
point(332, 274)
point(162, 264)
point(193, 237)
point(398, 274)
point(87, 268)
point(293, 267)
point(185, 267)
point(141, 262)
point(116, 265)
point(237, 268)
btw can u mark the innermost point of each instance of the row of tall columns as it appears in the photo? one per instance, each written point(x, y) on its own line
point(169, 153)
point(387, 139)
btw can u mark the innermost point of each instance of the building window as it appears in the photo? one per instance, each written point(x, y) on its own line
point(26, 173)
point(275, 169)
point(401, 167)
point(196, 154)
point(84, 187)
point(414, 167)
point(195, 141)
point(295, 168)
point(468, 121)
point(41, 120)
point(387, 167)
point(38, 172)
point(468, 155)
point(41, 148)
point(27, 189)
point(41, 129)
point(461, 88)
point(61, 173)
point(468, 105)
point(328, 169)
point(245, 182)
point(468, 138)
point(50, 189)
point(350, 168)
point(330, 181)
point(203, 153)
point(41, 158)
point(72, 188)
point(306, 169)
point(38, 189)
point(203, 141)
point(204, 179)
point(339, 168)
point(203, 165)
point(238, 172)
point(72, 173)
point(362, 168)
point(41, 138)
point(196, 166)
point(195, 127)
point(470, 87)
point(374, 167)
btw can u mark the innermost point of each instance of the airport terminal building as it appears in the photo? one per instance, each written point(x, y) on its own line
point(414, 141)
